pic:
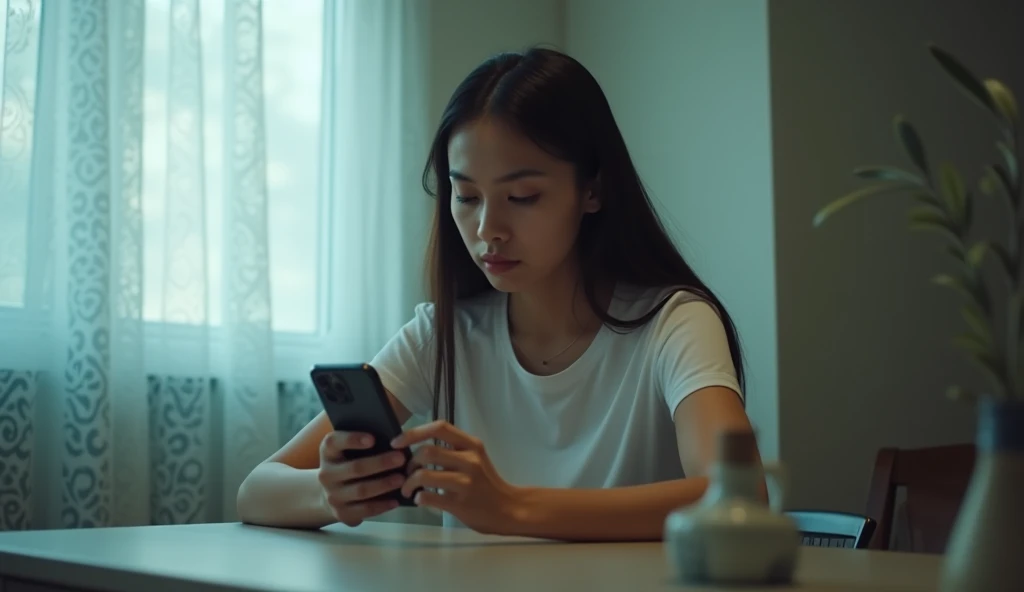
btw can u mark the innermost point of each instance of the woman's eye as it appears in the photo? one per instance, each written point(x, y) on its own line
point(462, 199)
point(525, 199)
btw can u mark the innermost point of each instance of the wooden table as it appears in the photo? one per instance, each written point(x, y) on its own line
point(387, 557)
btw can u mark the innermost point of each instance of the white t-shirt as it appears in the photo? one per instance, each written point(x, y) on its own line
point(605, 421)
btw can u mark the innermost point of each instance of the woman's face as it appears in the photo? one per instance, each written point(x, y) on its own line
point(517, 208)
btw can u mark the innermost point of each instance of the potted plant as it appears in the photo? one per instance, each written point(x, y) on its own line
point(981, 554)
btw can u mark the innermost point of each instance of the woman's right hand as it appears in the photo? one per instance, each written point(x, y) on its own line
point(346, 491)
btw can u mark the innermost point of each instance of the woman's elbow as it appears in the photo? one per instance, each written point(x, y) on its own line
point(244, 503)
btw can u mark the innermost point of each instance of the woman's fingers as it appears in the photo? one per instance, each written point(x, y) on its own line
point(371, 465)
point(449, 481)
point(334, 444)
point(354, 514)
point(452, 460)
point(349, 486)
point(437, 430)
point(364, 490)
point(332, 473)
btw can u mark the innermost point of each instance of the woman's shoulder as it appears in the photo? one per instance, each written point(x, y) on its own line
point(686, 336)
point(633, 302)
point(482, 311)
point(469, 313)
point(683, 315)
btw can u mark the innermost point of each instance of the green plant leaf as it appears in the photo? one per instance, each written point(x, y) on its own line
point(931, 202)
point(956, 252)
point(1006, 261)
point(1011, 163)
point(972, 281)
point(957, 393)
point(973, 291)
point(988, 184)
point(976, 322)
point(992, 367)
point(971, 343)
point(976, 254)
point(968, 215)
point(853, 197)
point(967, 81)
point(954, 191)
point(1004, 101)
point(929, 215)
point(981, 294)
point(927, 219)
point(1001, 177)
point(950, 281)
point(910, 140)
point(937, 228)
point(975, 257)
point(997, 181)
point(887, 173)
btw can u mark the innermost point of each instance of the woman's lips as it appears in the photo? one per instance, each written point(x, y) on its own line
point(498, 265)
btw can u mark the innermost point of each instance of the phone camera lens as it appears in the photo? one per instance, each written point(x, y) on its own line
point(340, 388)
point(325, 384)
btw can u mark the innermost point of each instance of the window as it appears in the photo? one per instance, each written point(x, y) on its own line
point(292, 101)
point(292, 54)
point(18, 65)
point(292, 74)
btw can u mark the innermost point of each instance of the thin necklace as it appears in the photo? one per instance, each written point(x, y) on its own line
point(571, 343)
point(545, 362)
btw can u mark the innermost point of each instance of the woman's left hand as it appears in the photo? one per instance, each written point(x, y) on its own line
point(473, 491)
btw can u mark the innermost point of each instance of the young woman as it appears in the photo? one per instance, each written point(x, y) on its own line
point(577, 368)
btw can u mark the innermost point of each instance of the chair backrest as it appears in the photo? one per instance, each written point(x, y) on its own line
point(833, 529)
point(935, 481)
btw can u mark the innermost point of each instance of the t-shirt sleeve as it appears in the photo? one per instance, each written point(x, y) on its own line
point(693, 350)
point(406, 362)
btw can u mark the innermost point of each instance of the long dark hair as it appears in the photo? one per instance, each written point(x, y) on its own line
point(553, 100)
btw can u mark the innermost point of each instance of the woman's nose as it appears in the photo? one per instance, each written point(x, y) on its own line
point(492, 226)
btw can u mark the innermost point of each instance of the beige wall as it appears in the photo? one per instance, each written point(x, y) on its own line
point(863, 336)
point(465, 32)
point(459, 35)
point(688, 82)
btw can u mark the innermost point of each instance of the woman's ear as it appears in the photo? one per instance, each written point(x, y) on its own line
point(591, 197)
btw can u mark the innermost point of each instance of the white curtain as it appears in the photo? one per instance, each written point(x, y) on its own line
point(175, 253)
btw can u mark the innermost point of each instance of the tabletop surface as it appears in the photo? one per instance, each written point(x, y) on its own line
point(385, 556)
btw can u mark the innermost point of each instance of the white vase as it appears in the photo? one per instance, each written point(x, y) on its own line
point(986, 547)
point(730, 536)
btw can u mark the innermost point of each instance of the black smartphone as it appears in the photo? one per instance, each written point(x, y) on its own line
point(355, 401)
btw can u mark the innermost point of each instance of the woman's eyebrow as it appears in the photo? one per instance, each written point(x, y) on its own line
point(513, 176)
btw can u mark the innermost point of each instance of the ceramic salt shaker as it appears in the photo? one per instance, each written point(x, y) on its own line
point(730, 536)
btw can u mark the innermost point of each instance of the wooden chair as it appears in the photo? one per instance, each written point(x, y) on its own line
point(935, 480)
point(833, 529)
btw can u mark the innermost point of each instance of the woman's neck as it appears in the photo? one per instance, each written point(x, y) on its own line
point(556, 311)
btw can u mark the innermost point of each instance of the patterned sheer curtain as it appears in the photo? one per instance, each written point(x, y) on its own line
point(182, 236)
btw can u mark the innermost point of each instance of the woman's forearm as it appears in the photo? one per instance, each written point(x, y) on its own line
point(275, 494)
point(621, 513)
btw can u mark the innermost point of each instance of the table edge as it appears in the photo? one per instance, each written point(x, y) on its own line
point(43, 568)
